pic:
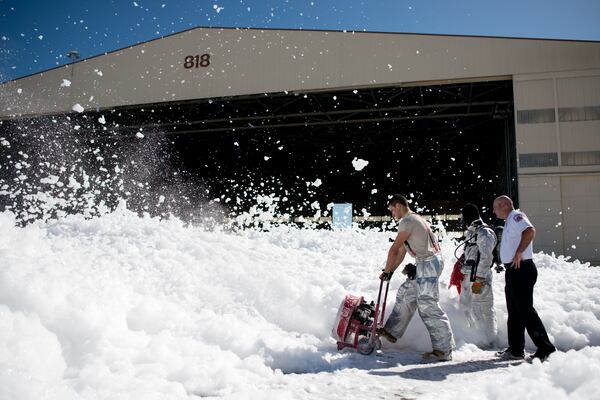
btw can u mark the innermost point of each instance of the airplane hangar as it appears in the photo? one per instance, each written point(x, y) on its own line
point(449, 119)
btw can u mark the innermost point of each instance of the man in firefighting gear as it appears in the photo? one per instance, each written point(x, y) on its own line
point(422, 291)
point(476, 296)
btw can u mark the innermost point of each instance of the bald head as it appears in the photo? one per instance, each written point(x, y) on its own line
point(503, 206)
point(504, 200)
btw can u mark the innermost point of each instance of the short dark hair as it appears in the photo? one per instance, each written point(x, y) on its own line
point(398, 198)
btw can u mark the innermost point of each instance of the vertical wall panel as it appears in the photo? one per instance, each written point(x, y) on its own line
point(540, 199)
point(581, 212)
point(578, 91)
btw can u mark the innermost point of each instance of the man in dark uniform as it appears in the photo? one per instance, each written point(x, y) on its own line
point(516, 253)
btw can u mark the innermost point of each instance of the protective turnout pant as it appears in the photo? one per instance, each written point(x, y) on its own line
point(479, 307)
point(422, 294)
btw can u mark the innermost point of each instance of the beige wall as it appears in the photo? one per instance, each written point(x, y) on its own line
point(540, 199)
point(537, 138)
point(581, 216)
point(566, 213)
point(534, 93)
point(256, 61)
point(579, 135)
point(578, 91)
point(562, 200)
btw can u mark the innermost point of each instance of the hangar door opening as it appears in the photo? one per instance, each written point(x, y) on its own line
point(443, 144)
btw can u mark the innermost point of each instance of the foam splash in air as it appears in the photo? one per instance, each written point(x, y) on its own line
point(359, 164)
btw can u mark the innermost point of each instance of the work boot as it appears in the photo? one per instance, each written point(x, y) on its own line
point(383, 332)
point(437, 355)
point(509, 355)
point(541, 355)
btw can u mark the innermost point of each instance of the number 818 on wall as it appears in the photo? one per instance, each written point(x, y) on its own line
point(197, 61)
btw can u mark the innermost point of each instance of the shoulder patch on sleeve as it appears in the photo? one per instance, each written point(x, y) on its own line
point(518, 217)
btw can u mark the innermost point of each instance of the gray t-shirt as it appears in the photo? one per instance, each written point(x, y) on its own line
point(419, 238)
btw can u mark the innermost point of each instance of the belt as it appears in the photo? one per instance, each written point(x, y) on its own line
point(528, 261)
point(428, 258)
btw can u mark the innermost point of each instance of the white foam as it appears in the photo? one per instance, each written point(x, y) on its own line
point(359, 164)
point(138, 307)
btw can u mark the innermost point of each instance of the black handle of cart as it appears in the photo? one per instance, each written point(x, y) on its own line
point(382, 314)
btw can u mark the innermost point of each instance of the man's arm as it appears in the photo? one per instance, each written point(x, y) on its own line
point(396, 253)
point(526, 237)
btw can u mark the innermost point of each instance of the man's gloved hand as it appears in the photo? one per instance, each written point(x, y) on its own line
point(410, 270)
point(386, 276)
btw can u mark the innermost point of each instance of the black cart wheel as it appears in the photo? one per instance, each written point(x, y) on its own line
point(364, 347)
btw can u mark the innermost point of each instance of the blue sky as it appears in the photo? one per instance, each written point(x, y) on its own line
point(35, 34)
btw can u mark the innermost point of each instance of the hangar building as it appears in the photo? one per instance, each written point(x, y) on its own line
point(450, 118)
